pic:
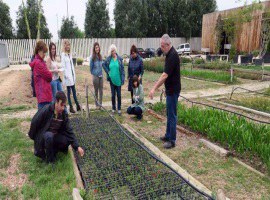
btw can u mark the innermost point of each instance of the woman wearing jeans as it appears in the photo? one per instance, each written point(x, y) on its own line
point(114, 68)
point(96, 71)
point(52, 66)
point(69, 75)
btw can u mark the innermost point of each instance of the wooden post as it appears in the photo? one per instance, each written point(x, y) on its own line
point(231, 74)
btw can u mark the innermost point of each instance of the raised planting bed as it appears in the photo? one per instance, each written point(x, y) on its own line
point(258, 103)
point(117, 166)
point(249, 141)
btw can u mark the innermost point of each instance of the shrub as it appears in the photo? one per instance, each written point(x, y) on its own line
point(185, 60)
point(199, 61)
point(155, 65)
point(79, 61)
point(255, 53)
point(220, 65)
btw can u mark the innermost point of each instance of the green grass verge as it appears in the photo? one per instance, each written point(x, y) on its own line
point(216, 76)
point(15, 108)
point(231, 131)
point(157, 65)
point(257, 103)
point(45, 182)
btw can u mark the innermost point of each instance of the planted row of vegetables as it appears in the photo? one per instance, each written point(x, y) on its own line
point(216, 76)
point(115, 167)
point(232, 132)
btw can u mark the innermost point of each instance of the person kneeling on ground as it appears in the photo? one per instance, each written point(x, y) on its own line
point(51, 131)
point(138, 107)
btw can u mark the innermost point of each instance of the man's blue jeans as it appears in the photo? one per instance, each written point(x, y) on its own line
point(171, 105)
point(56, 86)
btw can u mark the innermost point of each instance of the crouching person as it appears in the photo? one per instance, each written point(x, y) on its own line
point(51, 131)
point(137, 107)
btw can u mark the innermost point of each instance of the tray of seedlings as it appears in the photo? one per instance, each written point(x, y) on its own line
point(117, 166)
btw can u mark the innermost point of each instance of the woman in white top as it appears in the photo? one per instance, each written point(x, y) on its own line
point(69, 75)
point(55, 69)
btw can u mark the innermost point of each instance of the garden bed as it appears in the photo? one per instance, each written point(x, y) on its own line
point(115, 165)
point(247, 140)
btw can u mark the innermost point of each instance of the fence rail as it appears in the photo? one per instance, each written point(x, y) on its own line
point(20, 51)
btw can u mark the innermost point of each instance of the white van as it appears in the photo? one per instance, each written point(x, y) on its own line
point(183, 49)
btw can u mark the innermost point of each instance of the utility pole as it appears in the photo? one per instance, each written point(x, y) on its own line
point(57, 25)
point(67, 8)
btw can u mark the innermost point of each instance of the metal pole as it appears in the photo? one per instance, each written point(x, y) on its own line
point(67, 8)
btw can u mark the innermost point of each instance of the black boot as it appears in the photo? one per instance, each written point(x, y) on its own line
point(71, 109)
point(78, 107)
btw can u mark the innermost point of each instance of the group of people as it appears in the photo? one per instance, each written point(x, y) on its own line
point(114, 68)
point(50, 128)
point(46, 79)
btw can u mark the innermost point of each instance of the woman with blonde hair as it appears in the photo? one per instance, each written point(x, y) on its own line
point(114, 68)
point(69, 75)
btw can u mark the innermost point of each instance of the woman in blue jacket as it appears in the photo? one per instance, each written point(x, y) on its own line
point(135, 67)
point(96, 71)
point(114, 68)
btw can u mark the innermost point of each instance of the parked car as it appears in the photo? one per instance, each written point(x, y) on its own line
point(150, 52)
point(159, 52)
point(141, 52)
point(183, 49)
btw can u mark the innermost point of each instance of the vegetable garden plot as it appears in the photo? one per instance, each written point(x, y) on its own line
point(116, 166)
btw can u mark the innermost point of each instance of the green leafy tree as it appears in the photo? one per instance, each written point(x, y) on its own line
point(128, 20)
point(6, 30)
point(31, 10)
point(69, 29)
point(97, 21)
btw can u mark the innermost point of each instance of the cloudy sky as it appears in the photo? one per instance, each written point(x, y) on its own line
point(55, 10)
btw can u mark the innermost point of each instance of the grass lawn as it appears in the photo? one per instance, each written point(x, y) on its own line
point(257, 103)
point(42, 181)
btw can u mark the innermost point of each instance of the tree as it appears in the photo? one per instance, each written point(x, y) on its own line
point(128, 20)
point(69, 29)
point(97, 21)
point(153, 18)
point(5, 22)
point(32, 10)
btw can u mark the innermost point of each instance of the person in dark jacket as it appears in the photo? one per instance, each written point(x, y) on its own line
point(172, 80)
point(135, 67)
point(51, 131)
point(114, 69)
point(42, 76)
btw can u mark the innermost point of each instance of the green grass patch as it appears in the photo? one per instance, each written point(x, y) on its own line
point(157, 65)
point(216, 76)
point(233, 132)
point(44, 181)
point(15, 108)
point(267, 92)
point(252, 67)
point(257, 103)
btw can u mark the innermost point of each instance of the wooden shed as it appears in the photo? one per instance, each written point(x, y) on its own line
point(247, 40)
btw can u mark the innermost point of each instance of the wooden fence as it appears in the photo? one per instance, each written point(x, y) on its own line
point(4, 61)
point(20, 51)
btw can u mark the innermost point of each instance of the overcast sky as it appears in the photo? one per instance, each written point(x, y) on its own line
point(57, 9)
